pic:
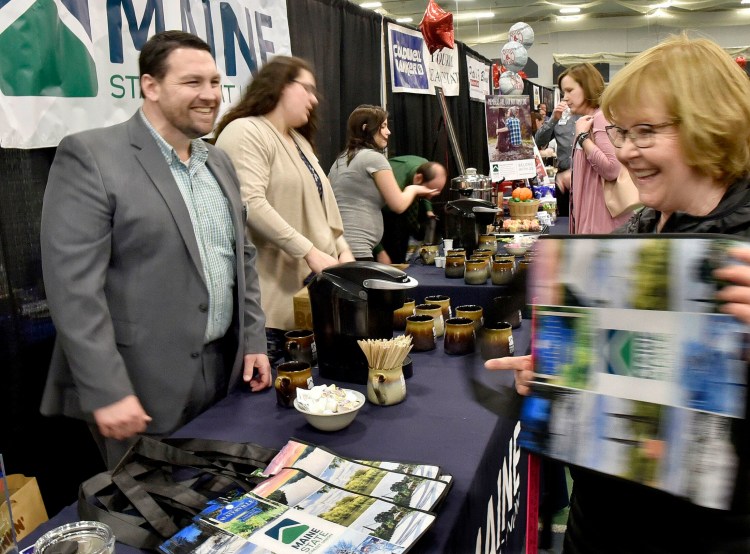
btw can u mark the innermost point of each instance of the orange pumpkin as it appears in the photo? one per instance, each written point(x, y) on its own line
point(522, 193)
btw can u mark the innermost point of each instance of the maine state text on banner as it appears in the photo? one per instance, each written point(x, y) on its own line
point(66, 66)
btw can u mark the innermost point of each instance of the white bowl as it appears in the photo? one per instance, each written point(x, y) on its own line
point(516, 250)
point(332, 422)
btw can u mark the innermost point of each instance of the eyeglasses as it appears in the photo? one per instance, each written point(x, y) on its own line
point(308, 87)
point(642, 136)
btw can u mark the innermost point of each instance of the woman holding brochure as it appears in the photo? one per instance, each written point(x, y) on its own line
point(691, 166)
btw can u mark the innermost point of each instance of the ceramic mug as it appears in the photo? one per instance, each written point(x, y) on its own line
point(386, 387)
point(475, 272)
point(489, 242)
point(436, 311)
point(501, 272)
point(503, 311)
point(441, 300)
point(290, 377)
point(428, 252)
point(456, 252)
point(459, 336)
point(299, 345)
point(454, 267)
point(473, 312)
point(400, 314)
point(496, 340)
point(421, 329)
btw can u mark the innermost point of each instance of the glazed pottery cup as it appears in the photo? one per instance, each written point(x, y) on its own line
point(501, 308)
point(475, 272)
point(299, 345)
point(501, 272)
point(473, 312)
point(436, 311)
point(421, 329)
point(290, 377)
point(386, 387)
point(400, 314)
point(459, 336)
point(502, 258)
point(428, 252)
point(488, 242)
point(496, 340)
point(441, 300)
point(456, 252)
point(454, 267)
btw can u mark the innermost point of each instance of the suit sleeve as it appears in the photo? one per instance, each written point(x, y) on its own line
point(76, 234)
point(545, 133)
point(254, 333)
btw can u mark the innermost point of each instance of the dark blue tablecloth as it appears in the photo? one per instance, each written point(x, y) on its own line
point(456, 415)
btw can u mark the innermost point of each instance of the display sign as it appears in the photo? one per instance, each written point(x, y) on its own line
point(479, 78)
point(509, 137)
point(414, 70)
point(70, 66)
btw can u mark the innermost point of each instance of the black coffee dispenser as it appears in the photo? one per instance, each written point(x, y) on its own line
point(349, 302)
point(466, 219)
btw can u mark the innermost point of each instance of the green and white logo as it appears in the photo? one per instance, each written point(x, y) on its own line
point(47, 49)
point(287, 531)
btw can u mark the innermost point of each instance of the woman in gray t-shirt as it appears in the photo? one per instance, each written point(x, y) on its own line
point(363, 182)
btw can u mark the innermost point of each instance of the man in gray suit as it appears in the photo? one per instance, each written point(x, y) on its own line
point(150, 280)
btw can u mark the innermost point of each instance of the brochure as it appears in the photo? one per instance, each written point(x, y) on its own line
point(380, 518)
point(638, 374)
point(412, 490)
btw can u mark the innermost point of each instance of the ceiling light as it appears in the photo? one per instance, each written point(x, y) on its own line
point(745, 2)
point(572, 9)
point(658, 13)
point(371, 5)
point(567, 18)
point(471, 16)
point(404, 20)
point(662, 5)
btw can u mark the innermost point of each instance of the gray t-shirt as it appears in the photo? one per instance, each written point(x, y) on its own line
point(359, 199)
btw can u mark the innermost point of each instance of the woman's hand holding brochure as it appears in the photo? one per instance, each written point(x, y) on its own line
point(736, 296)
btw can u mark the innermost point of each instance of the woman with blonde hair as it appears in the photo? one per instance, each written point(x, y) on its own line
point(292, 214)
point(691, 164)
point(593, 158)
point(363, 181)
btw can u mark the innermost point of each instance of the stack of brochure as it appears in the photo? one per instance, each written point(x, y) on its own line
point(637, 372)
point(316, 501)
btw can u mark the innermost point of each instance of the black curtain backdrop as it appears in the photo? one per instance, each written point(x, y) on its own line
point(344, 44)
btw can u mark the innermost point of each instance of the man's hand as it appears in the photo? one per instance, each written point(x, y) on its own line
point(122, 419)
point(562, 180)
point(346, 256)
point(521, 365)
point(263, 379)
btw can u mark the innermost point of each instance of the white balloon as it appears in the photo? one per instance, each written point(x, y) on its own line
point(523, 33)
point(511, 83)
point(514, 56)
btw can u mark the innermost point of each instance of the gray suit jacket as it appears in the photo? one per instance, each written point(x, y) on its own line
point(124, 279)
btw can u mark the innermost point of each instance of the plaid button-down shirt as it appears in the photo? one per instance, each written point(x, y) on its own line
point(212, 223)
point(514, 128)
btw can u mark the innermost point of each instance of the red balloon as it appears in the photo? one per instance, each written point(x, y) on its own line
point(741, 61)
point(437, 27)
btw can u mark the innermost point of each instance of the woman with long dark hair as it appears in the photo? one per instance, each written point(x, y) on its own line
point(292, 214)
point(363, 181)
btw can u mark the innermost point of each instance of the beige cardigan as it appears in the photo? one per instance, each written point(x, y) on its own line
point(285, 216)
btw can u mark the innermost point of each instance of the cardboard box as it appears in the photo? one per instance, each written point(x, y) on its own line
point(302, 310)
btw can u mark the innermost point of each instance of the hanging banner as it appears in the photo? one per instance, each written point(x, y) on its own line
point(479, 78)
point(509, 140)
point(408, 55)
point(444, 71)
point(69, 66)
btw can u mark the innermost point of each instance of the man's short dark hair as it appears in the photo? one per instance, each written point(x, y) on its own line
point(153, 58)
